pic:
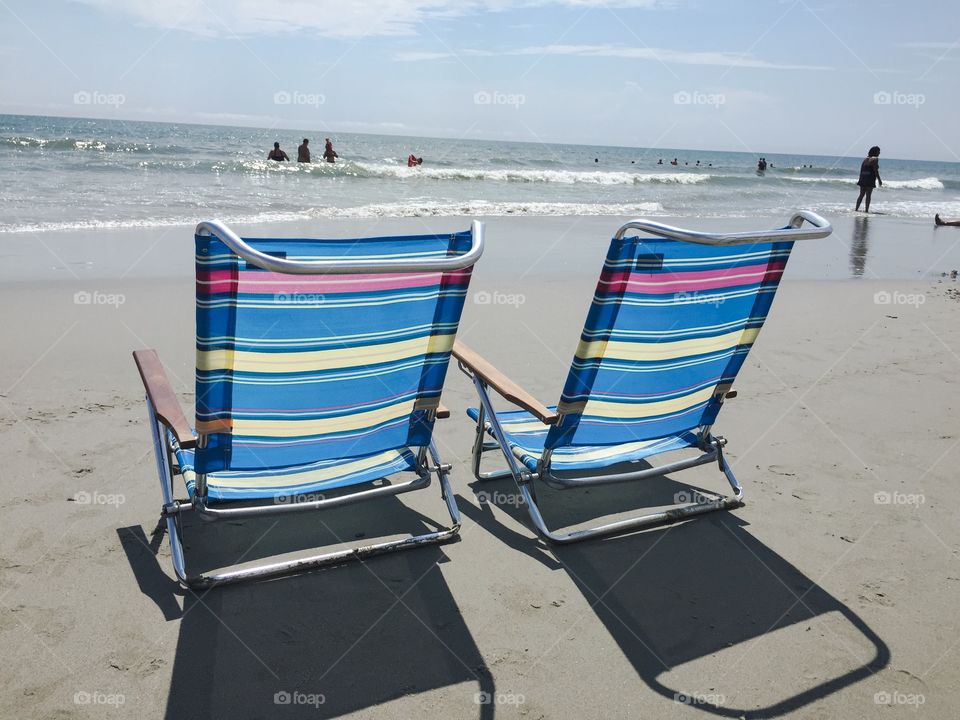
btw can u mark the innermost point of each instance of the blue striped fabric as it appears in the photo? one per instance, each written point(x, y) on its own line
point(298, 375)
point(670, 326)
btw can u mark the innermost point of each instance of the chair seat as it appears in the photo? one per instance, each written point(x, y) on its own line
point(526, 435)
point(293, 480)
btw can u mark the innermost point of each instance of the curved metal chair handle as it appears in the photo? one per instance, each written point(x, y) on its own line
point(821, 228)
point(344, 266)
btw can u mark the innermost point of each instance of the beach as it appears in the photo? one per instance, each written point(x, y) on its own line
point(831, 593)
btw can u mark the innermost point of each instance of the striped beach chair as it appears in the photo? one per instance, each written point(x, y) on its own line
point(319, 370)
point(670, 326)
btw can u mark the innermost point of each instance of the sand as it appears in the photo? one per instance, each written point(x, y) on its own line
point(832, 593)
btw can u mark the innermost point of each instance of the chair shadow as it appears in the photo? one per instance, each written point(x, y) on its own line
point(319, 644)
point(673, 594)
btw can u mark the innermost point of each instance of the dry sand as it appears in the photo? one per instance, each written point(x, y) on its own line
point(818, 599)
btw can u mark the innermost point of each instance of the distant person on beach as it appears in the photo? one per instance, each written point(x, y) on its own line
point(277, 154)
point(413, 160)
point(329, 154)
point(939, 222)
point(303, 152)
point(869, 177)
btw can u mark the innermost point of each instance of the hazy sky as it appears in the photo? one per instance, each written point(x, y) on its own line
point(762, 76)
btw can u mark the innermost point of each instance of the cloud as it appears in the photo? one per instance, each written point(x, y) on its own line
point(330, 18)
point(668, 57)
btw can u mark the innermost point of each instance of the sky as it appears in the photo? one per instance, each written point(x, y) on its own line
point(794, 76)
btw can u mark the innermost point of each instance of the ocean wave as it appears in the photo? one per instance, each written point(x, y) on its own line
point(391, 171)
point(407, 209)
point(92, 145)
point(927, 183)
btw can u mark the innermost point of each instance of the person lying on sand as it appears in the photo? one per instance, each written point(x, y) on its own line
point(937, 220)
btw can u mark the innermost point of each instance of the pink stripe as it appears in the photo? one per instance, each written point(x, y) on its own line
point(690, 281)
point(268, 283)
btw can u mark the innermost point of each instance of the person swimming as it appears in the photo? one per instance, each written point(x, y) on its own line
point(303, 152)
point(329, 154)
point(413, 160)
point(674, 162)
point(277, 154)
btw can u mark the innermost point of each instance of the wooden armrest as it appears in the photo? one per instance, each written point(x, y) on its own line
point(502, 384)
point(443, 411)
point(165, 404)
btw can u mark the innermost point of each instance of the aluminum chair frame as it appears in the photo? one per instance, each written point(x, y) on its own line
point(711, 446)
point(166, 419)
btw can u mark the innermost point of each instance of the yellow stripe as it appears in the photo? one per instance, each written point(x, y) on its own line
point(266, 362)
point(310, 476)
point(650, 409)
point(642, 351)
point(322, 426)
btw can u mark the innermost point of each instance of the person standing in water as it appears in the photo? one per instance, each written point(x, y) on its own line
point(277, 154)
point(329, 154)
point(869, 177)
point(303, 152)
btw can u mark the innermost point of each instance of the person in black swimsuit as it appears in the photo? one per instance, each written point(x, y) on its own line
point(869, 177)
point(277, 154)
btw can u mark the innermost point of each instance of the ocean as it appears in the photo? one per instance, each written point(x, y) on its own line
point(61, 174)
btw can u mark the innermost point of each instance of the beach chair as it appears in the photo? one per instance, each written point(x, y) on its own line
point(671, 323)
point(319, 370)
